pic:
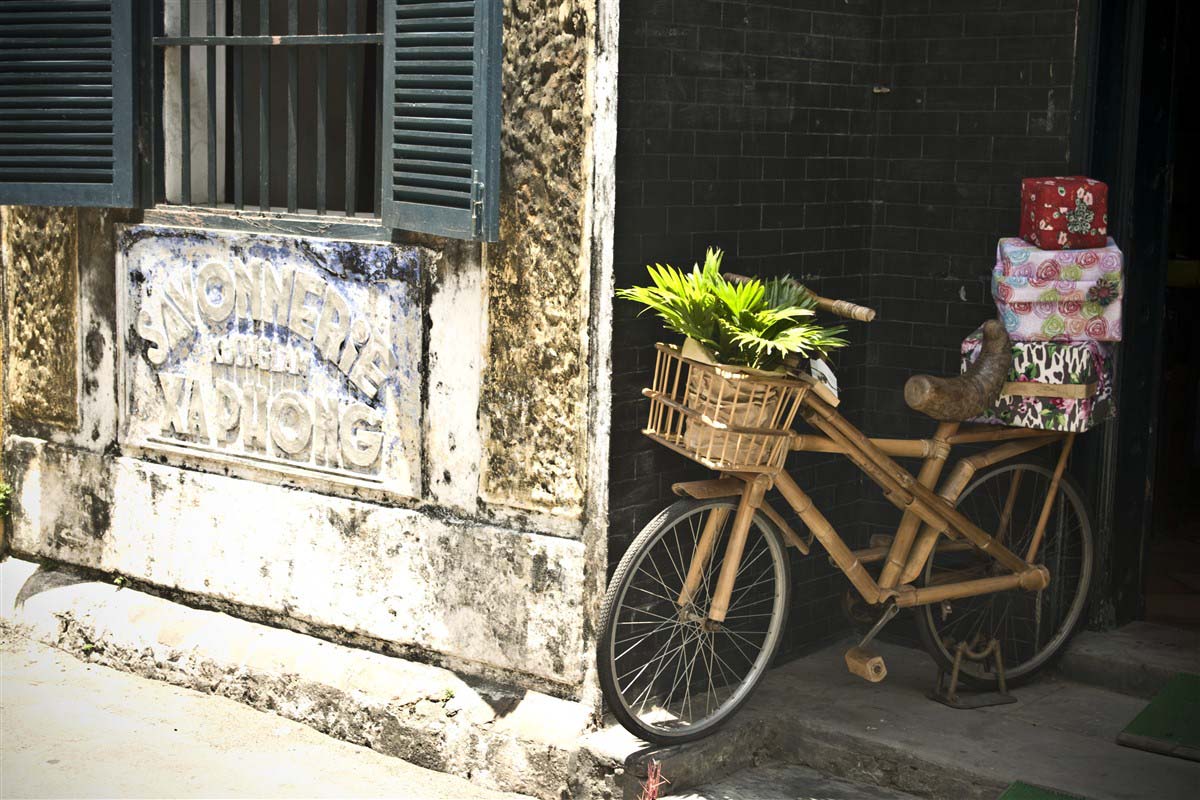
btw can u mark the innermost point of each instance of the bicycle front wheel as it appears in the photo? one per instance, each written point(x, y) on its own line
point(667, 674)
point(1031, 627)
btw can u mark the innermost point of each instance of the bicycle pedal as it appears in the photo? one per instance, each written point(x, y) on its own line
point(865, 664)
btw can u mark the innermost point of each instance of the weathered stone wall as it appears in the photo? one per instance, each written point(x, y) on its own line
point(40, 249)
point(493, 564)
point(534, 399)
point(437, 577)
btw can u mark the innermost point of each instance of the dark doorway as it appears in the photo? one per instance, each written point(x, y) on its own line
point(1142, 123)
point(1173, 564)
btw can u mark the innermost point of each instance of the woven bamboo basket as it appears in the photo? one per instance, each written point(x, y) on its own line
point(726, 418)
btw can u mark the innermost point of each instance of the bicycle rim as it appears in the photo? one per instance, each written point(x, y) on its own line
point(1031, 627)
point(666, 675)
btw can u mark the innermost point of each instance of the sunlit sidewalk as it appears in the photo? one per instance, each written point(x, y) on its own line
point(71, 729)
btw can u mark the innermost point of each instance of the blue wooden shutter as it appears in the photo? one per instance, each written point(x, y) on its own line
point(67, 103)
point(441, 126)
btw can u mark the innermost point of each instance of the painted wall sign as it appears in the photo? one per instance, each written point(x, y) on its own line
point(294, 355)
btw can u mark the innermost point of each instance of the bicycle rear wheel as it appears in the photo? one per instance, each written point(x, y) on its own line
point(667, 675)
point(1032, 627)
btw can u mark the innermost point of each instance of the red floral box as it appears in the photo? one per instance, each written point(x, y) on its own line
point(1064, 213)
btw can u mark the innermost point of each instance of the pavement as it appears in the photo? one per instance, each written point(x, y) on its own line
point(73, 729)
point(811, 730)
point(499, 737)
point(786, 782)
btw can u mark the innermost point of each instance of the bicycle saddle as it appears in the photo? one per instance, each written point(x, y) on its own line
point(967, 395)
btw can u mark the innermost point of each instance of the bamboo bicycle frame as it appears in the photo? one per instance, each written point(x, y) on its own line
point(927, 515)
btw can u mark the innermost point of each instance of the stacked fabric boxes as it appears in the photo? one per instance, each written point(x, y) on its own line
point(1058, 290)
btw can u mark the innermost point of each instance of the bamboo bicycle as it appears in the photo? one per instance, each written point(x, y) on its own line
point(697, 605)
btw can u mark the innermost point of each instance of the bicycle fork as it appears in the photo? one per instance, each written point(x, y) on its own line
point(751, 499)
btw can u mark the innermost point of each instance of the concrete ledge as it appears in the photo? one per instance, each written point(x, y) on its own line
point(775, 727)
point(812, 712)
point(498, 737)
point(1137, 659)
point(780, 780)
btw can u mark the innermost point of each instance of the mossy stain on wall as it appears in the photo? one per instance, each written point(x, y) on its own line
point(534, 397)
point(41, 282)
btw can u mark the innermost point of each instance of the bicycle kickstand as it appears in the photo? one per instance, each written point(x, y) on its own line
point(950, 695)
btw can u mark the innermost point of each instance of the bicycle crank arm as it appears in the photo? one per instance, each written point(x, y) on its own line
point(887, 616)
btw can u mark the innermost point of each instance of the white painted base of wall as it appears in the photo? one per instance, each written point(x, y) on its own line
point(486, 598)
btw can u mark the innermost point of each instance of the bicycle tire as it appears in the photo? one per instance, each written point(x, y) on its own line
point(615, 612)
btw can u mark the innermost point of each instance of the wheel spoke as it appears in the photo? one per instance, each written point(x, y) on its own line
point(644, 590)
point(659, 655)
point(661, 626)
point(737, 635)
point(766, 576)
point(662, 663)
point(637, 610)
point(661, 581)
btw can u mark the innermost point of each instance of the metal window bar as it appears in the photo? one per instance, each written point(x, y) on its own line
point(185, 105)
point(360, 47)
point(239, 102)
point(351, 115)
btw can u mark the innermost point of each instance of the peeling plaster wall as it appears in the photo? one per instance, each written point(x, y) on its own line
point(475, 586)
point(534, 399)
point(39, 252)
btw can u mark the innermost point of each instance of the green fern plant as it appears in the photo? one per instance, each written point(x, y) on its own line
point(751, 323)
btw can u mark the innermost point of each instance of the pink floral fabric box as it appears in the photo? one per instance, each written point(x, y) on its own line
point(1083, 369)
point(1060, 295)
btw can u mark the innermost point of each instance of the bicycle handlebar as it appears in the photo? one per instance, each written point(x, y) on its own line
point(841, 308)
point(844, 308)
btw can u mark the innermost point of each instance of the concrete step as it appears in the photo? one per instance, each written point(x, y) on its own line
point(497, 737)
point(1137, 659)
point(813, 713)
point(786, 782)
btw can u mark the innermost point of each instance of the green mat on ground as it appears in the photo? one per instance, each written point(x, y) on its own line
point(1025, 791)
point(1171, 723)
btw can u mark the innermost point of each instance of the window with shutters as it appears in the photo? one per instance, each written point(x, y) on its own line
point(359, 108)
point(366, 110)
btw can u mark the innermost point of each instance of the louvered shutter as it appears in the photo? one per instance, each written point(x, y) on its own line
point(67, 102)
point(441, 130)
